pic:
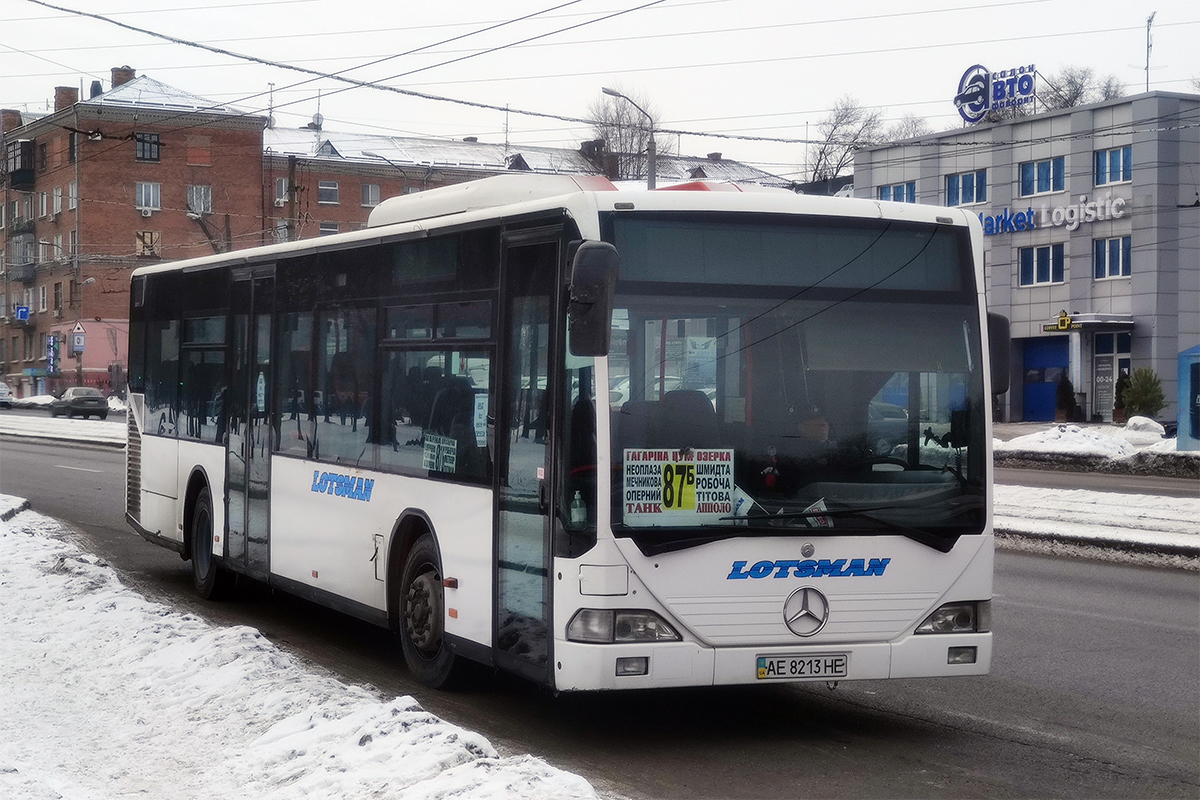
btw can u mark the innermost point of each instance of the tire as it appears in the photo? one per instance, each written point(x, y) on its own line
point(102, 416)
point(212, 582)
point(422, 616)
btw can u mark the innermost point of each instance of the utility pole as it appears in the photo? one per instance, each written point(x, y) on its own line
point(291, 199)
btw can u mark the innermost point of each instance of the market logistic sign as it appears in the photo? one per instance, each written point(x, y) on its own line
point(666, 486)
point(980, 90)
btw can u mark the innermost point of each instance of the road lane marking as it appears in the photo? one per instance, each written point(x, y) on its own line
point(78, 469)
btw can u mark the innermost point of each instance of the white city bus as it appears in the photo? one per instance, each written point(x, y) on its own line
point(601, 439)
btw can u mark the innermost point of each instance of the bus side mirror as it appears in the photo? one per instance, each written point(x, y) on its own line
point(593, 284)
point(999, 346)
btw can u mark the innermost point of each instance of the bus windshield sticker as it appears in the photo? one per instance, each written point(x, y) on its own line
point(480, 419)
point(815, 521)
point(677, 487)
point(441, 453)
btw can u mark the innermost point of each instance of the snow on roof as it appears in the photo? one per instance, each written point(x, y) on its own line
point(406, 151)
point(144, 92)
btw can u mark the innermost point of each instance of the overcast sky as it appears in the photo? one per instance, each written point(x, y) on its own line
point(761, 68)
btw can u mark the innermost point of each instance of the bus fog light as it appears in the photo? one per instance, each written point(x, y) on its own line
point(599, 625)
point(960, 655)
point(633, 666)
point(952, 618)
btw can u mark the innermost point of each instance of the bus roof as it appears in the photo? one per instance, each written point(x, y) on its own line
point(584, 195)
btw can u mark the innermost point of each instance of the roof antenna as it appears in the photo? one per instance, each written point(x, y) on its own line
point(1149, 44)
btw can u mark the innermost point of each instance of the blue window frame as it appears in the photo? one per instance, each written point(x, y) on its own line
point(1112, 258)
point(1041, 177)
point(899, 193)
point(1115, 165)
point(966, 188)
point(1041, 265)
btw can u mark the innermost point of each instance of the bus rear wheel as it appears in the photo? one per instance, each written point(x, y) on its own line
point(211, 581)
point(422, 615)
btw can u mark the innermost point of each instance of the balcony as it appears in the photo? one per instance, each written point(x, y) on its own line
point(21, 272)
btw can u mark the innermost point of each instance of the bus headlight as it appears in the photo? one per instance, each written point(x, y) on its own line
point(606, 625)
point(975, 617)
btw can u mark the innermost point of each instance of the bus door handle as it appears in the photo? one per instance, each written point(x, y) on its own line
point(543, 500)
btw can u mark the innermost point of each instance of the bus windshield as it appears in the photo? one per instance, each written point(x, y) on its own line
point(768, 378)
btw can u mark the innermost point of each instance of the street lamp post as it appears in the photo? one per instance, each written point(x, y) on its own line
point(650, 146)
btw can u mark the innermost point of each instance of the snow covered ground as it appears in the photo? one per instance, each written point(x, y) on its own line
point(109, 695)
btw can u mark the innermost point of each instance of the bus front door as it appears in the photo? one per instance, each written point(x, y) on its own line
point(248, 452)
point(524, 491)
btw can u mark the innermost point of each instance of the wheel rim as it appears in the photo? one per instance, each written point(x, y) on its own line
point(423, 612)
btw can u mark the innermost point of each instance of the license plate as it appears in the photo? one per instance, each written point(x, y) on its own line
point(795, 668)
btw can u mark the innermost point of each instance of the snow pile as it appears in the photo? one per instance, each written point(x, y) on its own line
point(108, 695)
point(1070, 440)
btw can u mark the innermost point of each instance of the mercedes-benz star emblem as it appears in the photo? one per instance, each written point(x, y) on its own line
point(805, 611)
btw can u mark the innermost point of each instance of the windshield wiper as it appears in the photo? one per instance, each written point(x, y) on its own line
point(940, 543)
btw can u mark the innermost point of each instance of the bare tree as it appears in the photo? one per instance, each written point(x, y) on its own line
point(848, 127)
point(626, 131)
point(910, 126)
point(1077, 86)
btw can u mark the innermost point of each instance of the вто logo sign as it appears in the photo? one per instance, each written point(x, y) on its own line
point(981, 90)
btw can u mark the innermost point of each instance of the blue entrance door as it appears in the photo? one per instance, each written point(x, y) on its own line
point(1046, 361)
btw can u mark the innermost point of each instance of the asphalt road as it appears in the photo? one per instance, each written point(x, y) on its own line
point(1094, 691)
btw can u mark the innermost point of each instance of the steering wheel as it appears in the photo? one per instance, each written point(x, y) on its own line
point(873, 460)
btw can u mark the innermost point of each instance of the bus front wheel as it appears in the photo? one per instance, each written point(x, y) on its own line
point(211, 581)
point(422, 615)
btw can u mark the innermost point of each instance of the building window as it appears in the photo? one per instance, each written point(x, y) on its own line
point(1112, 257)
point(1042, 177)
point(3, 214)
point(57, 206)
point(966, 188)
point(58, 296)
point(1041, 265)
point(72, 147)
point(43, 204)
point(199, 199)
point(281, 190)
point(72, 242)
point(43, 253)
point(148, 196)
point(58, 251)
point(72, 195)
point(1114, 166)
point(327, 192)
point(148, 146)
point(42, 298)
point(43, 160)
point(328, 228)
point(370, 194)
point(899, 193)
point(147, 243)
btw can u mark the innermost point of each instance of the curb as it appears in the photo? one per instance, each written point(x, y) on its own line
point(1106, 543)
point(5, 516)
point(63, 440)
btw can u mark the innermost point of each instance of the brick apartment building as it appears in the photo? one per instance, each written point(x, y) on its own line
point(96, 188)
point(145, 171)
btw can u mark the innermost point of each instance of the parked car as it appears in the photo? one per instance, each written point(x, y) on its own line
point(6, 395)
point(80, 401)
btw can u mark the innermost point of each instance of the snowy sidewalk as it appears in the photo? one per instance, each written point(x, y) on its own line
point(1135, 523)
point(109, 695)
